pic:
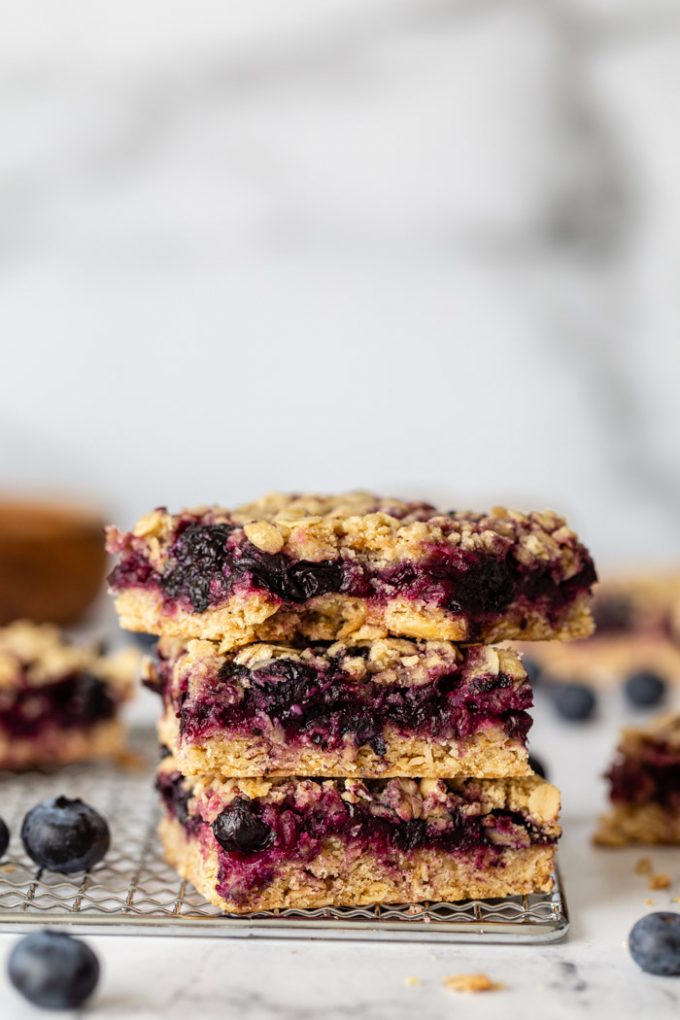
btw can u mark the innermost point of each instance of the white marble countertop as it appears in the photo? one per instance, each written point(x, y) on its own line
point(590, 973)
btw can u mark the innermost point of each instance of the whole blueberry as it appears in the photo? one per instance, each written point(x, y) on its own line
point(65, 835)
point(53, 970)
point(537, 765)
point(654, 943)
point(645, 688)
point(239, 828)
point(4, 838)
point(533, 670)
point(575, 702)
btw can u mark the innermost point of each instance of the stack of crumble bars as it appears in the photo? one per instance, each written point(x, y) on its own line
point(337, 727)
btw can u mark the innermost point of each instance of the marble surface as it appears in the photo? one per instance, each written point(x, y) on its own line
point(424, 246)
point(588, 974)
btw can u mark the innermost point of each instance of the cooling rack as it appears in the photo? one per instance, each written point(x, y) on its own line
point(134, 892)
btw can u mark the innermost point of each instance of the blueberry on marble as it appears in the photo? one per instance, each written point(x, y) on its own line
point(239, 828)
point(4, 838)
point(574, 702)
point(538, 767)
point(65, 835)
point(53, 970)
point(645, 688)
point(654, 943)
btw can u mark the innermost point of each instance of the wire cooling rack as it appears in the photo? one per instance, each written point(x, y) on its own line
point(133, 891)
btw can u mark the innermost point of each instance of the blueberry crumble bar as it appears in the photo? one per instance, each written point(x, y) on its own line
point(637, 621)
point(59, 702)
point(256, 844)
point(645, 786)
point(390, 707)
point(329, 567)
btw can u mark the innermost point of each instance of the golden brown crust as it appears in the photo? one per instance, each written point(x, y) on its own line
point(317, 528)
point(336, 877)
point(246, 618)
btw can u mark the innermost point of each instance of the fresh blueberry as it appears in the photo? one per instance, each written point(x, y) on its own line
point(4, 838)
point(53, 970)
point(533, 670)
point(239, 828)
point(645, 688)
point(654, 943)
point(537, 765)
point(65, 835)
point(575, 702)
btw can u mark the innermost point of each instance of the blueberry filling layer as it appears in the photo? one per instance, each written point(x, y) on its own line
point(210, 562)
point(654, 778)
point(301, 704)
point(256, 837)
point(74, 702)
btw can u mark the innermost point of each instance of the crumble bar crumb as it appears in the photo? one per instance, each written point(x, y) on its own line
point(470, 983)
point(659, 881)
point(643, 866)
point(411, 981)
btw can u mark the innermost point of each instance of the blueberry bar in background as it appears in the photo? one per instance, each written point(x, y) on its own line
point(390, 707)
point(644, 786)
point(59, 702)
point(638, 631)
point(328, 567)
point(253, 844)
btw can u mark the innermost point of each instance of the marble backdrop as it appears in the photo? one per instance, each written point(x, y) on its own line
point(426, 246)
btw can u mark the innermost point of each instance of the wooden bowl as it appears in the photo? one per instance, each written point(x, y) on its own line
point(52, 561)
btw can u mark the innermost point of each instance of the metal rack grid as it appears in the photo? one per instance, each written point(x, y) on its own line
point(134, 891)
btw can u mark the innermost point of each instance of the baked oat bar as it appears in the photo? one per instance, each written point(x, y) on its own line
point(390, 707)
point(645, 786)
point(59, 702)
point(329, 567)
point(256, 844)
point(637, 622)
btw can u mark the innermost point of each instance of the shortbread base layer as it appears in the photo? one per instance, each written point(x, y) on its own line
point(254, 617)
point(642, 823)
point(488, 754)
point(337, 878)
point(62, 747)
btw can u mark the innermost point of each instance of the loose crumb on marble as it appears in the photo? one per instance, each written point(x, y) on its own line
point(470, 983)
point(7, 869)
point(411, 981)
point(649, 902)
point(675, 899)
point(659, 881)
point(643, 866)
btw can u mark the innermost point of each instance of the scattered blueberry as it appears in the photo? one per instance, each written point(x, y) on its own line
point(533, 671)
point(645, 688)
point(239, 828)
point(654, 943)
point(53, 970)
point(4, 838)
point(575, 702)
point(65, 835)
point(537, 765)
